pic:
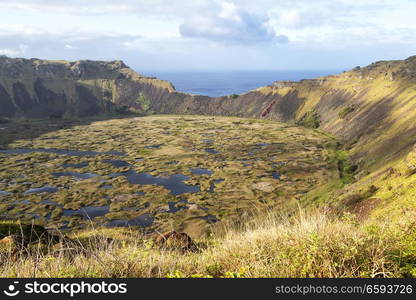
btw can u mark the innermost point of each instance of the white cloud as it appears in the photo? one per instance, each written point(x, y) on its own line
point(210, 33)
point(102, 7)
point(70, 47)
point(14, 52)
point(228, 23)
point(290, 18)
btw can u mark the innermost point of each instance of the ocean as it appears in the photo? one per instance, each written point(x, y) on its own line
point(216, 84)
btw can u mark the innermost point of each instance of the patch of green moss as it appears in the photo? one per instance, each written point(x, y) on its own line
point(345, 111)
point(345, 168)
point(311, 120)
point(144, 102)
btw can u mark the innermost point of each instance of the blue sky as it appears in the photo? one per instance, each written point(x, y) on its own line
point(162, 35)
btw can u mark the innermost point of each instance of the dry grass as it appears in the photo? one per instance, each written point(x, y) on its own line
point(313, 245)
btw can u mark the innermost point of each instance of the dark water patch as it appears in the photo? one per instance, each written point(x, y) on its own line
point(144, 220)
point(50, 138)
point(4, 193)
point(173, 208)
point(26, 202)
point(276, 175)
point(208, 218)
point(107, 187)
point(173, 183)
point(212, 186)
point(211, 150)
point(75, 174)
point(49, 202)
point(261, 145)
point(45, 189)
point(208, 141)
point(156, 146)
point(75, 166)
point(116, 163)
point(140, 193)
point(65, 226)
point(116, 153)
point(200, 171)
point(60, 151)
point(88, 212)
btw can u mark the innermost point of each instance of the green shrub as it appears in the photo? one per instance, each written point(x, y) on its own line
point(345, 111)
point(144, 102)
point(311, 120)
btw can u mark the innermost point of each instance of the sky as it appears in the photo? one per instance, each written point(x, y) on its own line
point(211, 35)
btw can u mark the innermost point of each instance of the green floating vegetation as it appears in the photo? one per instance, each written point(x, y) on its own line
point(223, 171)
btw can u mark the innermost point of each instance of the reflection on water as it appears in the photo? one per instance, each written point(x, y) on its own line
point(276, 175)
point(75, 174)
point(75, 166)
point(211, 150)
point(212, 186)
point(200, 171)
point(88, 212)
point(154, 146)
point(45, 189)
point(117, 163)
point(173, 183)
point(144, 220)
point(60, 151)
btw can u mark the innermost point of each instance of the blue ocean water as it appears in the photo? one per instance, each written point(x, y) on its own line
point(216, 84)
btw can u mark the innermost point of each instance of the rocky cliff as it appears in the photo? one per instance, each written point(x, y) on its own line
point(41, 88)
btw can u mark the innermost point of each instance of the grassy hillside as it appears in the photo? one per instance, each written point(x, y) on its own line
point(317, 244)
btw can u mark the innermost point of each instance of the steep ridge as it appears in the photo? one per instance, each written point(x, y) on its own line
point(371, 109)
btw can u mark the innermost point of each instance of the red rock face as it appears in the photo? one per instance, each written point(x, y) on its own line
point(267, 110)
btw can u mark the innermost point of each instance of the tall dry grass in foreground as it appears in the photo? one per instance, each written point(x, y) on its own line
point(313, 245)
